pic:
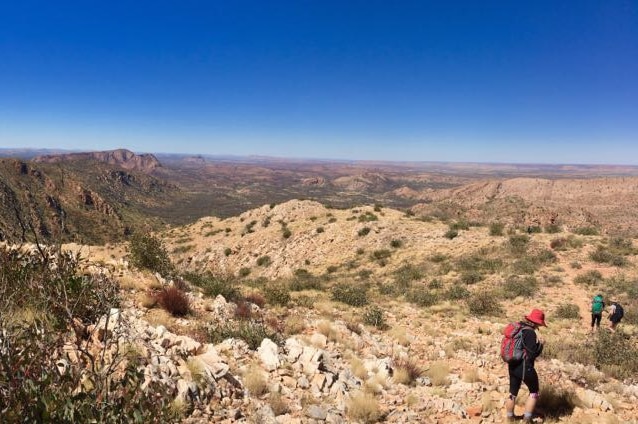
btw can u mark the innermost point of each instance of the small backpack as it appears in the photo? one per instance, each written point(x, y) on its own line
point(597, 305)
point(619, 311)
point(512, 349)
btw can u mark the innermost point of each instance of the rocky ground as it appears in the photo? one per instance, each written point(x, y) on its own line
point(430, 364)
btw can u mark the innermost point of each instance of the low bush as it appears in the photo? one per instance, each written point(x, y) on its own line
point(256, 299)
point(277, 294)
point(484, 303)
point(264, 261)
point(553, 229)
point(471, 277)
point(363, 231)
point(586, 231)
point(589, 278)
point(406, 371)
point(423, 297)
point(375, 317)
point(396, 243)
point(496, 228)
point(213, 285)
point(249, 331)
point(244, 271)
point(603, 255)
point(616, 355)
point(518, 243)
point(32, 389)
point(381, 254)
point(451, 234)
point(174, 301)
point(406, 274)
point(457, 292)
point(567, 311)
point(515, 286)
point(350, 295)
point(148, 252)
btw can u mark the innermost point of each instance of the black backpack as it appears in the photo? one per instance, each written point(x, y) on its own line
point(619, 311)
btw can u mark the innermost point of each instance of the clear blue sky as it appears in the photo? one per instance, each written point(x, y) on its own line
point(489, 81)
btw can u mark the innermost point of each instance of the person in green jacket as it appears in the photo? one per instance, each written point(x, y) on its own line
point(597, 308)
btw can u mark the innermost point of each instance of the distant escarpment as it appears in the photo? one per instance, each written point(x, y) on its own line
point(606, 203)
point(76, 202)
point(121, 157)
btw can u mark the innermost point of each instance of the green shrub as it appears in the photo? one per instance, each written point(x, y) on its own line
point(545, 257)
point(381, 254)
point(451, 234)
point(396, 243)
point(264, 261)
point(51, 284)
point(350, 295)
point(460, 225)
point(615, 354)
point(363, 231)
point(567, 311)
point(457, 292)
point(375, 317)
point(518, 243)
point(586, 231)
point(484, 303)
point(515, 286)
point(525, 265)
point(320, 230)
point(213, 285)
point(435, 284)
point(478, 263)
point(553, 229)
point(228, 251)
point(286, 233)
point(332, 269)
point(471, 277)
point(406, 274)
point(253, 333)
point(148, 252)
point(244, 271)
point(590, 277)
point(534, 229)
point(277, 295)
point(602, 255)
point(423, 297)
point(367, 217)
point(183, 249)
point(496, 228)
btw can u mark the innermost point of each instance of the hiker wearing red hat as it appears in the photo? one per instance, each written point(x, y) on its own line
point(523, 371)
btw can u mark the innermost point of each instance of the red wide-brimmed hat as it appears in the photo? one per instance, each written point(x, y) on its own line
point(537, 317)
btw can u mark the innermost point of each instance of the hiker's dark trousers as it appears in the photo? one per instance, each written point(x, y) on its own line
point(523, 372)
point(595, 319)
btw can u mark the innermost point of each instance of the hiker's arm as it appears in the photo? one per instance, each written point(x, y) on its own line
point(531, 345)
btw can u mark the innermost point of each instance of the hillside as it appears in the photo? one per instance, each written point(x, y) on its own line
point(368, 314)
point(605, 203)
point(82, 200)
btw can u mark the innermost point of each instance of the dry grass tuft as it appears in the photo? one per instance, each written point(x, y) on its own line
point(438, 373)
point(255, 381)
point(406, 371)
point(471, 376)
point(327, 329)
point(358, 368)
point(278, 404)
point(294, 325)
point(363, 407)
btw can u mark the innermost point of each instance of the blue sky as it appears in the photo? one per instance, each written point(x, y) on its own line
point(486, 81)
